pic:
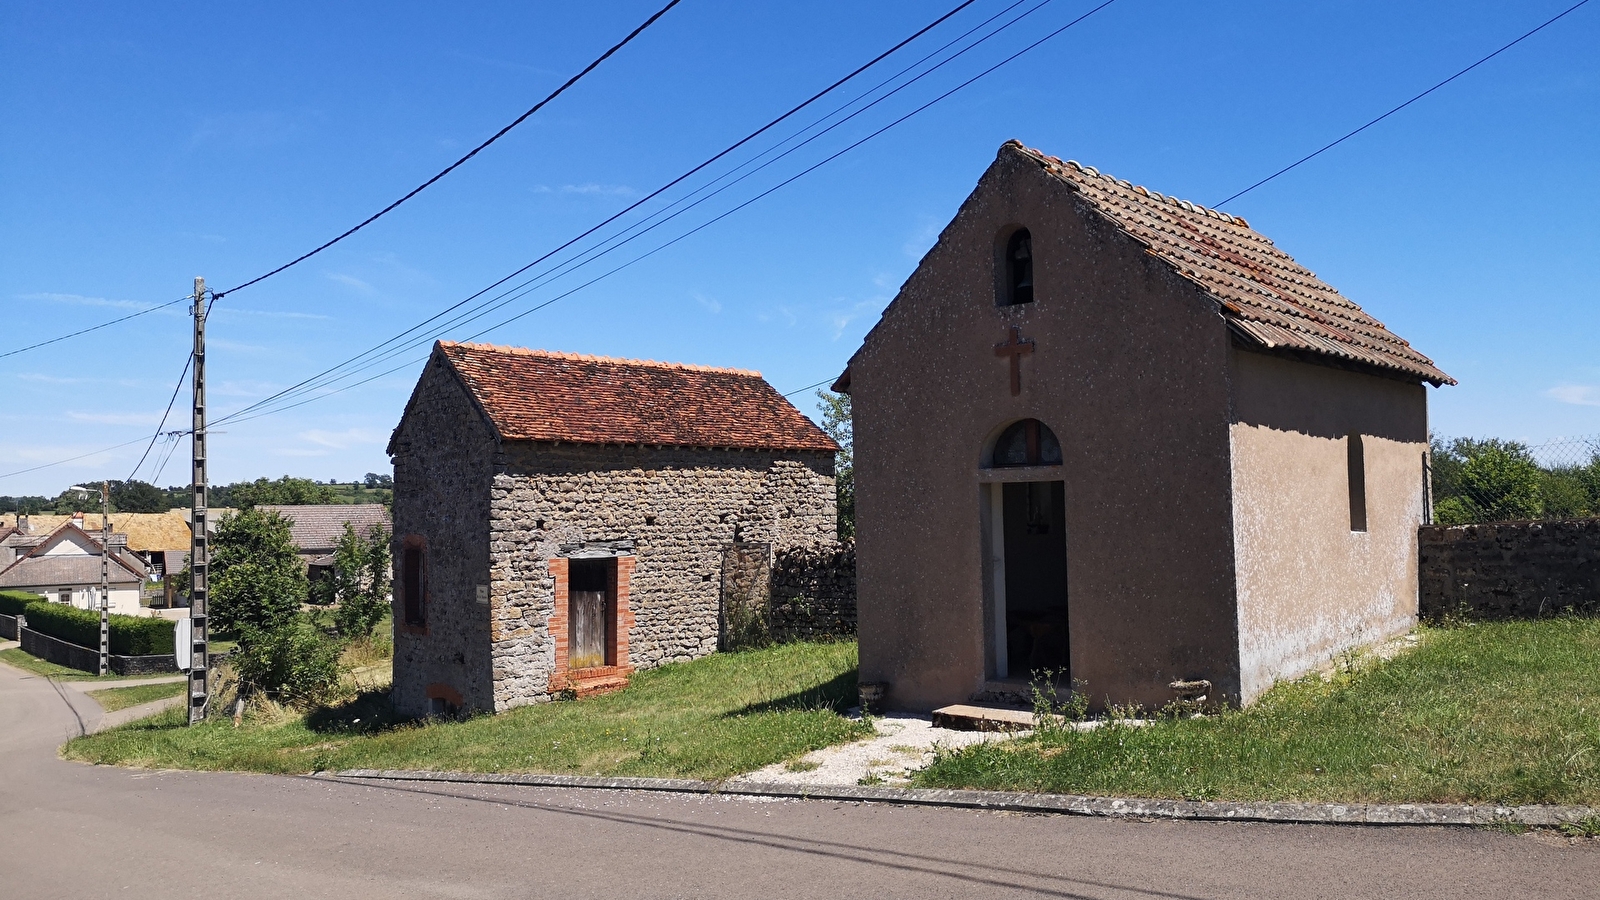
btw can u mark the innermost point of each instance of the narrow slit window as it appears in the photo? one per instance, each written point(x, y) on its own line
point(413, 585)
point(1356, 474)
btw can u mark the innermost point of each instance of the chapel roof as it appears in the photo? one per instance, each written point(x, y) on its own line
point(539, 395)
point(1267, 298)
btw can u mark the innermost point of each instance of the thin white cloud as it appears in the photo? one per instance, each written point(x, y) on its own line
point(600, 190)
point(351, 281)
point(244, 388)
point(115, 418)
point(43, 378)
point(81, 300)
point(710, 303)
point(341, 440)
point(274, 314)
point(1575, 394)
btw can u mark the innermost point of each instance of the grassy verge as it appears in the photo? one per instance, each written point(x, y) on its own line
point(1504, 712)
point(30, 663)
point(710, 718)
point(113, 699)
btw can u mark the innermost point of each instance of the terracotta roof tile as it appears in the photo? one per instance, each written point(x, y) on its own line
point(537, 395)
point(1266, 297)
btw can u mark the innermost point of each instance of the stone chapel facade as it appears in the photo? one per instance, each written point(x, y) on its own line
point(1125, 438)
point(561, 521)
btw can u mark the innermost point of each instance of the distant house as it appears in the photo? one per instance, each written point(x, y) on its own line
point(153, 537)
point(316, 530)
point(64, 566)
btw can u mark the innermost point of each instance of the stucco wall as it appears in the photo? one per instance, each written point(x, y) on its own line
point(680, 508)
point(443, 463)
point(1129, 371)
point(1308, 586)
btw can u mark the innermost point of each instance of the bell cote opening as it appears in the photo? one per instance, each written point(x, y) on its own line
point(1016, 282)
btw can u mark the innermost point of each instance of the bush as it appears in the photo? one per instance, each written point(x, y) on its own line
point(294, 662)
point(257, 578)
point(130, 635)
point(14, 602)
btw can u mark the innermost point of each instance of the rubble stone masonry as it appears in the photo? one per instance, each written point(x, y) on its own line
point(1510, 570)
point(679, 508)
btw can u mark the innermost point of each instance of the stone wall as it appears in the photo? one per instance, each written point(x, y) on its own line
point(8, 627)
point(678, 508)
point(813, 591)
point(87, 659)
point(443, 460)
point(1510, 570)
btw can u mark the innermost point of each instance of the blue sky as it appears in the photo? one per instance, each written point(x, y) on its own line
point(144, 145)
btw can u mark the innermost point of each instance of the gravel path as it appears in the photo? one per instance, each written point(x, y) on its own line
point(904, 744)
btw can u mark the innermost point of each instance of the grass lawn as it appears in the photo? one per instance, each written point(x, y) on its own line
point(1503, 712)
point(30, 663)
point(710, 718)
point(112, 699)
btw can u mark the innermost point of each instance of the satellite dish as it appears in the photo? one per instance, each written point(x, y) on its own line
point(183, 643)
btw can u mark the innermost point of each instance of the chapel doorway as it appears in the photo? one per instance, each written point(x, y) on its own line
point(1034, 515)
point(1027, 545)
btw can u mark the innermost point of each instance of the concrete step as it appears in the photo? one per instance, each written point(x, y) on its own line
point(971, 717)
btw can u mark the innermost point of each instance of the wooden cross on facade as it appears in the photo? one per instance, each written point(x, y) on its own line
point(1016, 348)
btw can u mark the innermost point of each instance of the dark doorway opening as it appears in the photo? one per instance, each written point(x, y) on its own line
point(591, 612)
point(1034, 518)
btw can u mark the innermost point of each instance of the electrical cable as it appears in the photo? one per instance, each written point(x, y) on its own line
point(1330, 146)
point(74, 334)
point(714, 220)
point(653, 194)
point(162, 424)
point(474, 152)
point(645, 226)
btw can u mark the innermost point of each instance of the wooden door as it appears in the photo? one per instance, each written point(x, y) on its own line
point(586, 646)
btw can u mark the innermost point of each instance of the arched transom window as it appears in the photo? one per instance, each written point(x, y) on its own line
point(1028, 442)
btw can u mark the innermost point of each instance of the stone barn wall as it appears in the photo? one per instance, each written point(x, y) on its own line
point(814, 592)
point(1510, 570)
point(680, 508)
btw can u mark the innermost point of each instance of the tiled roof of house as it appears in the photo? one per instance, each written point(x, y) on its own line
point(316, 529)
point(536, 395)
point(39, 570)
point(1267, 298)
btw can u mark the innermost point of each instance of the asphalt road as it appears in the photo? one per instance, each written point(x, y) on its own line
point(69, 830)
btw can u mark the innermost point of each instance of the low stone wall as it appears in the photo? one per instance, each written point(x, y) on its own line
point(8, 627)
point(1509, 570)
point(813, 591)
point(64, 653)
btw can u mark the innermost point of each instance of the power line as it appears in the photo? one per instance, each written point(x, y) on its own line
point(56, 340)
point(640, 229)
point(59, 462)
point(188, 361)
point(696, 229)
point(453, 166)
point(631, 207)
point(1330, 146)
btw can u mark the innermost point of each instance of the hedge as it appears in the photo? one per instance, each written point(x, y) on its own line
point(130, 635)
point(13, 602)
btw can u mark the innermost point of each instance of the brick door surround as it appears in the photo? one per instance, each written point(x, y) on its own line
point(593, 680)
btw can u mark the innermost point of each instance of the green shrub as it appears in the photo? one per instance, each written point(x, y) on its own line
point(13, 602)
point(294, 662)
point(130, 635)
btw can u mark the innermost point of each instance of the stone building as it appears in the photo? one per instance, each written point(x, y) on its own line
point(1123, 437)
point(562, 520)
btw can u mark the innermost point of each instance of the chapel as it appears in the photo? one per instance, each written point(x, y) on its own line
point(561, 520)
point(1124, 443)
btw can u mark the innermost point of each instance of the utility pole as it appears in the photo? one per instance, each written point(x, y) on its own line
point(105, 577)
point(200, 540)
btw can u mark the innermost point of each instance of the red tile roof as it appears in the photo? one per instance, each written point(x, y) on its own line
point(537, 395)
point(1267, 298)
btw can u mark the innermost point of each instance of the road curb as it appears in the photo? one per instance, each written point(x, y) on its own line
point(1064, 804)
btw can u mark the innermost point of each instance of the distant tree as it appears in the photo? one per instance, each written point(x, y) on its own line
point(836, 421)
point(30, 505)
point(1485, 480)
point(257, 578)
point(137, 497)
point(374, 480)
point(285, 491)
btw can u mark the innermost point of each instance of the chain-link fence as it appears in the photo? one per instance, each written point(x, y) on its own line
point(1491, 480)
